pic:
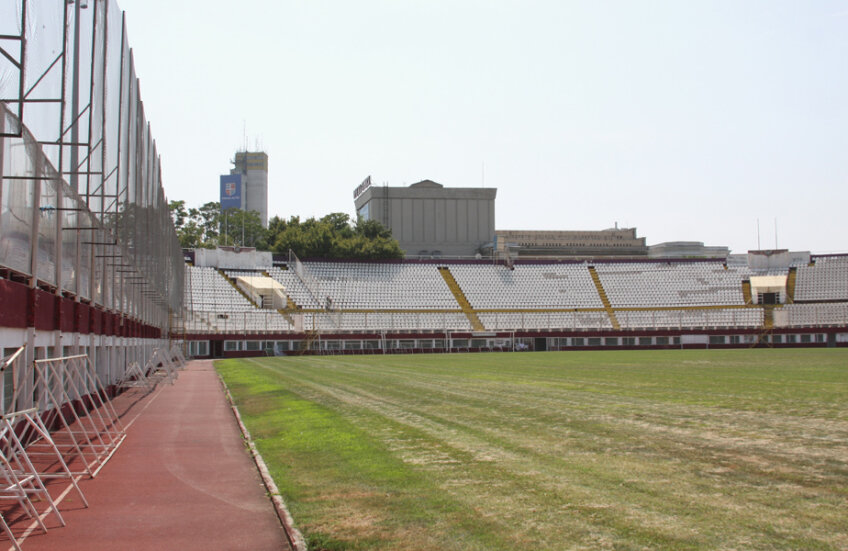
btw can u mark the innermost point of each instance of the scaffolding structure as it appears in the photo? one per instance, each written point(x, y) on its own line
point(84, 211)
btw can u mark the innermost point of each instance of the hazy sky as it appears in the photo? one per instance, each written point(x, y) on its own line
point(689, 119)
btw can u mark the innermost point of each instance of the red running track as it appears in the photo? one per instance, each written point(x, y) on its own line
point(182, 479)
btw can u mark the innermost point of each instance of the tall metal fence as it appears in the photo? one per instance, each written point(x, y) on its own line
point(82, 207)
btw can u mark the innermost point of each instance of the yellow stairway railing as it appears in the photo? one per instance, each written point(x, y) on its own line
point(746, 292)
point(469, 312)
point(603, 294)
point(232, 282)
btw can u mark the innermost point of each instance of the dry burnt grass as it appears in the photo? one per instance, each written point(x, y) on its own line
point(734, 449)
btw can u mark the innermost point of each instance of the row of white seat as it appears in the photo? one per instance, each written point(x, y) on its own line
point(679, 319)
point(295, 288)
point(826, 280)
point(263, 321)
point(808, 315)
point(384, 321)
point(382, 286)
point(527, 286)
point(672, 284)
point(207, 290)
point(508, 321)
point(256, 321)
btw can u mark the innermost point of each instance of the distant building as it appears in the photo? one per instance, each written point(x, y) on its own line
point(584, 243)
point(246, 186)
point(429, 219)
point(686, 249)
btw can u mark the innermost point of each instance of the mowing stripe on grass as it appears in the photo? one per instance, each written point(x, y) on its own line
point(671, 449)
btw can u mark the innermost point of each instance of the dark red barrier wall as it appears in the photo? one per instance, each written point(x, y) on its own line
point(13, 304)
point(22, 307)
point(44, 307)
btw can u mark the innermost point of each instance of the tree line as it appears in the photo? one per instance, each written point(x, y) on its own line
point(332, 236)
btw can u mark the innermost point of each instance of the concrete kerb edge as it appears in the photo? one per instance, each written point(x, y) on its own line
point(292, 534)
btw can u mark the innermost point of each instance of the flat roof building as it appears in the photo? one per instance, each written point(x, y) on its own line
point(429, 219)
point(582, 243)
point(686, 249)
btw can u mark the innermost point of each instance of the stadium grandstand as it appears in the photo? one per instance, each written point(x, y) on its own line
point(90, 263)
point(284, 305)
point(96, 296)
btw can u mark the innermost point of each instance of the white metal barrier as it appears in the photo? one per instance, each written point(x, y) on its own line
point(67, 395)
point(69, 391)
point(22, 433)
point(178, 356)
point(11, 376)
point(160, 367)
point(135, 377)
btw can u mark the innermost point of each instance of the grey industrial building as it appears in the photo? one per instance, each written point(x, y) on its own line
point(429, 219)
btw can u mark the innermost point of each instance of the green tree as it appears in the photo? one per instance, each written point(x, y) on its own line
point(372, 229)
point(190, 235)
point(333, 236)
point(243, 228)
point(178, 213)
point(339, 223)
point(208, 217)
point(276, 225)
point(196, 227)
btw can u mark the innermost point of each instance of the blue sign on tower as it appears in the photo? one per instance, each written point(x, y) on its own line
point(230, 191)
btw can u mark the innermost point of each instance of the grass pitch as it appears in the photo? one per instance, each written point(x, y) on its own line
point(733, 449)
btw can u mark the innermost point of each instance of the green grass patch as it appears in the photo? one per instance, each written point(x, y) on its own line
point(619, 449)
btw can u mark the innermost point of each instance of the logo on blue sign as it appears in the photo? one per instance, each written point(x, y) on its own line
point(230, 191)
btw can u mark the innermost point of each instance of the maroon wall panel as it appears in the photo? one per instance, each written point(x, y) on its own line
point(66, 315)
point(97, 321)
point(83, 317)
point(44, 305)
point(13, 304)
point(108, 323)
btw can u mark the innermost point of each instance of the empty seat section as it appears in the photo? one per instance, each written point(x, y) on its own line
point(386, 321)
point(682, 319)
point(405, 296)
point(210, 292)
point(527, 286)
point(509, 321)
point(213, 304)
point(644, 284)
point(294, 287)
point(373, 286)
point(810, 315)
point(370, 286)
point(827, 280)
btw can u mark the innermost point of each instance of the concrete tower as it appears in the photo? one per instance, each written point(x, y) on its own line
point(253, 167)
